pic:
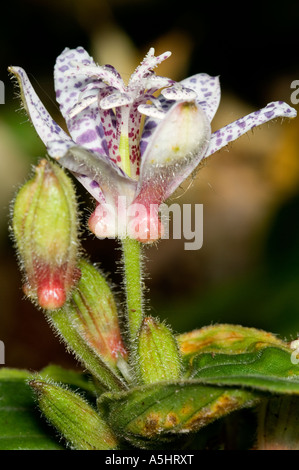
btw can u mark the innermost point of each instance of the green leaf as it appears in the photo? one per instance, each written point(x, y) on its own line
point(21, 427)
point(163, 411)
point(269, 369)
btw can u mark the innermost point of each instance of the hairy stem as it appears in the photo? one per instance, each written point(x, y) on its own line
point(133, 285)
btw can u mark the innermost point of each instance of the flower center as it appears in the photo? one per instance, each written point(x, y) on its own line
point(124, 152)
point(121, 107)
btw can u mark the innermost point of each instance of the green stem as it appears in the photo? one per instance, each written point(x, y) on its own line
point(133, 284)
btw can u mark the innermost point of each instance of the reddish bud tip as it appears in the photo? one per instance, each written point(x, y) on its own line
point(45, 230)
point(51, 296)
point(53, 286)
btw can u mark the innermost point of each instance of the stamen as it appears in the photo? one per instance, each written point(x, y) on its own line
point(156, 82)
point(81, 105)
point(103, 73)
point(148, 64)
point(178, 92)
point(151, 111)
point(116, 99)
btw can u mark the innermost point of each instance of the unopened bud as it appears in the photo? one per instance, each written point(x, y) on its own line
point(88, 323)
point(158, 352)
point(81, 426)
point(45, 231)
point(94, 314)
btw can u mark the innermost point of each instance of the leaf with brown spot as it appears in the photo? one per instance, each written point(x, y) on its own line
point(163, 411)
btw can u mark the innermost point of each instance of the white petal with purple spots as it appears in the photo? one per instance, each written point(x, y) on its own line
point(104, 178)
point(81, 114)
point(67, 86)
point(45, 126)
point(233, 131)
point(208, 93)
point(160, 106)
point(91, 186)
point(58, 148)
point(176, 146)
point(155, 113)
point(179, 92)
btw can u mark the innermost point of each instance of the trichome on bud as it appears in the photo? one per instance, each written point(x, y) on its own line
point(44, 225)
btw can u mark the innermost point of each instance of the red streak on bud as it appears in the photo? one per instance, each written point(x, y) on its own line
point(107, 344)
point(116, 346)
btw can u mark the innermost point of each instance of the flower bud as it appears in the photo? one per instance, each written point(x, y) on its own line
point(94, 314)
point(73, 417)
point(45, 230)
point(158, 352)
point(88, 323)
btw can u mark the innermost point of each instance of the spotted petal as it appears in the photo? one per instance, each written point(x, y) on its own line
point(175, 148)
point(67, 86)
point(233, 131)
point(207, 89)
point(45, 126)
point(155, 113)
point(57, 149)
point(102, 179)
point(84, 124)
point(178, 92)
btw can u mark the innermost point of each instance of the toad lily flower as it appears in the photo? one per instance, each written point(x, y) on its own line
point(129, 148)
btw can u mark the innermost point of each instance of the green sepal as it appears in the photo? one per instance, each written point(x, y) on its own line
point(21, 427)
point(269, 369)
point(159, 413)
point(88, 324)
point(70, 414)
point(63, 325)
point(94, 314)
point(157, 352)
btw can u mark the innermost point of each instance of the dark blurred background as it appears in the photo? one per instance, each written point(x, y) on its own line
point(247, 271)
